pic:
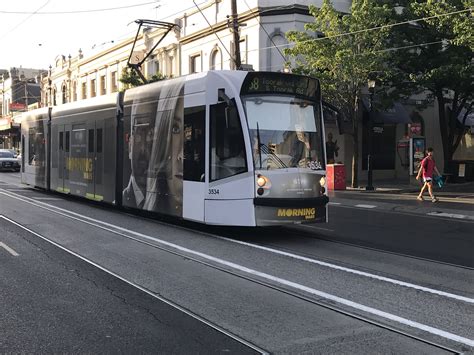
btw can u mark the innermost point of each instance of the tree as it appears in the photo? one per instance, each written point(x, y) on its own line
point(130, 78)
point(436, 57)
point(349, 50)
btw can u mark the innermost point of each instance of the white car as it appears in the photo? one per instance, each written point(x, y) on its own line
point(8, 161)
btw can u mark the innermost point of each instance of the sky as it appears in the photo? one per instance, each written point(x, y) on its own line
point(34, 32)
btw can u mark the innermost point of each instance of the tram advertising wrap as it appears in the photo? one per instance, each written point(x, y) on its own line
point(222, 147)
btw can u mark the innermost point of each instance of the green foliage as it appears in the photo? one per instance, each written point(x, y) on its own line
point(347, 54)
point(348, 50)
point(130, 78)
point(435, 57)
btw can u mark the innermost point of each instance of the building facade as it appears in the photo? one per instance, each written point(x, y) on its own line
point(20, 88)
point(203, 40)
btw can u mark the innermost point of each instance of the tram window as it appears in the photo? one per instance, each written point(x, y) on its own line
point(91, 141)
point(228, 156)
point(31, 145)
point(99, 140)
point(194, 143)
point(67, 141)
point(61, 140)
point(23, 153)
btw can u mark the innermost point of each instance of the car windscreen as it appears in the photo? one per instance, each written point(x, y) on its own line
point(6, 155)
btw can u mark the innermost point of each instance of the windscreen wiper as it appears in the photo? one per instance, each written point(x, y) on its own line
point(272, 155)
point(259, 146)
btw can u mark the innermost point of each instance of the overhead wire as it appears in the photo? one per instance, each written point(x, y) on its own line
point(22, 22)
point(76, 11)
point(338, 35)
point(263, 28)
point(388, 25)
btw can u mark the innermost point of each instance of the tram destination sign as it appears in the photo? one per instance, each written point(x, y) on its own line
point(280, 83)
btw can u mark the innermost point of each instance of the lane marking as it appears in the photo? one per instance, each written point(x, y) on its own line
point(162, 299)
point(334, 203)
point(365, 206)
point(48, 198)
point(340, 300)
point(101, 224)
point(450, 215)
point(7, 248)
point(407, 212)
point(354, 271)
point(319, 228)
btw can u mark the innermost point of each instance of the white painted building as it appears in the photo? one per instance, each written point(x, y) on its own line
point(203, 41)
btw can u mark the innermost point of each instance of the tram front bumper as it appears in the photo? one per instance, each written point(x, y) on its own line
point(280, 211)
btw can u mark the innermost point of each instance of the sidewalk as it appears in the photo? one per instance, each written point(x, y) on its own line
point(456, 201)
point(463, 190)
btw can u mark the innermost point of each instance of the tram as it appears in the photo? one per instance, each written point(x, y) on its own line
point(229, 148)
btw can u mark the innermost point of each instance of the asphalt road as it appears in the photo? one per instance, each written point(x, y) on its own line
point(54, 302)
point(319, 289)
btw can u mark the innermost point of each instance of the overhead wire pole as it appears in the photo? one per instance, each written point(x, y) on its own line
point(151, 23)
point(235, 32)
point(213, 31)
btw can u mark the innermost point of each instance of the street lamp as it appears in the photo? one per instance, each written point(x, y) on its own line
point(371, 85)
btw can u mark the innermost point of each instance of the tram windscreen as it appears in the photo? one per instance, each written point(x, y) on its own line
point(285, 132)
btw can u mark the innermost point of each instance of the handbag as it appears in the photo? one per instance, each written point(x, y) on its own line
point(439, 181)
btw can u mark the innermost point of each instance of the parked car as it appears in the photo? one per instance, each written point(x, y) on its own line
point(8, 161)
point(11, 150)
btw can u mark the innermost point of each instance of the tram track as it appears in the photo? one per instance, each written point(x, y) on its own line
point(318, 301)
point(315, 236)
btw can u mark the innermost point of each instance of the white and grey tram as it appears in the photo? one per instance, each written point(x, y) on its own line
point(228, 148)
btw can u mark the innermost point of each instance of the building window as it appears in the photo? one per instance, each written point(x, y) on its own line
point(74, 91)
point(84, 90)
point(113, 81)
point(277, 61)
point(64, 94)
point(384, 156)
point(195, 64)
point(93, 88)
point(103, 87)
point(216, 60)
point(171, 64)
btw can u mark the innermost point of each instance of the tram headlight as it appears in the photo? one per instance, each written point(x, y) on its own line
point(261, 180)
point(322, 181)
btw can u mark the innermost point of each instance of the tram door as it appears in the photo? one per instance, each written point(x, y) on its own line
point(77, 162)
point(230, 192)
point(94, 162)
point(63, 155)
point(194, 158)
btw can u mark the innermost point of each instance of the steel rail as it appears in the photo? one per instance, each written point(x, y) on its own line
point(255, 280)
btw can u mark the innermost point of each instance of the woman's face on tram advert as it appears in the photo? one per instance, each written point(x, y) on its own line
point(140, 144)
point(156, 149)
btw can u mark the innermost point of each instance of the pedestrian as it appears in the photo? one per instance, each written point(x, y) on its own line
point(427, 167)
point(331, 149)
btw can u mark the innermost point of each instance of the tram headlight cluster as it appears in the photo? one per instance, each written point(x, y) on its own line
point(322, 181)
point(263, 184)
point(261, 180)
point(322, 184)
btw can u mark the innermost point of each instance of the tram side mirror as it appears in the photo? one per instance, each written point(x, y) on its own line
point(332, 113)
point(222, 97)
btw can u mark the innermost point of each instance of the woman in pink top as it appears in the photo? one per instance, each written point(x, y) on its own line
point(427, 168)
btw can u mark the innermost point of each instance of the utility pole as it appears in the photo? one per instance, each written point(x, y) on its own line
point(235, 32)
point(26, 95)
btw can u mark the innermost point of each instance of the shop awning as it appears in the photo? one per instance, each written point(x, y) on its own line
point(5, 123)
point(396, 114)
